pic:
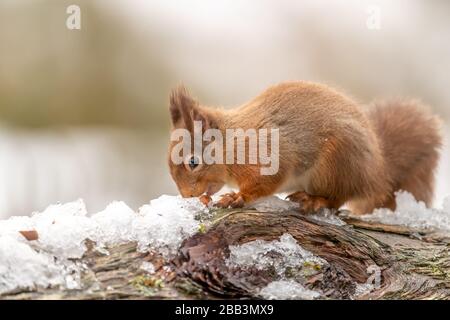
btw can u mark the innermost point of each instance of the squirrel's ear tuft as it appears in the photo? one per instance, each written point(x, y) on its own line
point(207, 120)
point(181, 107)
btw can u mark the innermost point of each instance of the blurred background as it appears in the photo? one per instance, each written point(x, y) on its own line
point(83, 113)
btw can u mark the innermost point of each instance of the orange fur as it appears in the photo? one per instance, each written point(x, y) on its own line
point(331, 148)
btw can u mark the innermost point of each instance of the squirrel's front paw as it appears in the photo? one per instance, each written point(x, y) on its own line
point(205, 199)
point(233, 200)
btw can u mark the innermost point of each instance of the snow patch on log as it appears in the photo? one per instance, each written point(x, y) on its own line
point(277, 204)
point(287, 290)
point(148, 267)
point(412, 213)
point(62, 230)
point(327, 216)
point(23, 267)
point(278, 254)
point(285, 257)
point(273, 204)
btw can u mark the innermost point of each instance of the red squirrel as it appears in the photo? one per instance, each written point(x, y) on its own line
point(332, 150)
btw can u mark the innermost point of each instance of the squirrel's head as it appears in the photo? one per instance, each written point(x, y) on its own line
point(192, 175)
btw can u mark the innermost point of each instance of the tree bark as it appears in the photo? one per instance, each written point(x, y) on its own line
point(413, 264)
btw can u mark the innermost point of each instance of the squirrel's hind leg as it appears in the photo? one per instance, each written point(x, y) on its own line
point(310, 204)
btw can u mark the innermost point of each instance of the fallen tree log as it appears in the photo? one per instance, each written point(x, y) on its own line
point(412, 264)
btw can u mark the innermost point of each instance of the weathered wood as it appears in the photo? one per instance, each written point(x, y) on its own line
point(414, 264)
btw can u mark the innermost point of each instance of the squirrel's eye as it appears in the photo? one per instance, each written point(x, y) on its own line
point(193, 162)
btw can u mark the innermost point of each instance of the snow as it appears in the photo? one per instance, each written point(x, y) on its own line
point(148, 267)
point(63, 228)
point(277, 204)
point(362, 289)
point(21, 266)
point(280, 256)
point(166, 222)
point(327, 216)
point(53, 258)
point(273, 204)
point(287, 290)
point(113, 225)
point(412, 213)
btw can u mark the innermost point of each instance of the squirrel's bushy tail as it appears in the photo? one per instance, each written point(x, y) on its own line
point(409, 135)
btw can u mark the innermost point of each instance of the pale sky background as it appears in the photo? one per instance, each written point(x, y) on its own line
point(84, 113)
